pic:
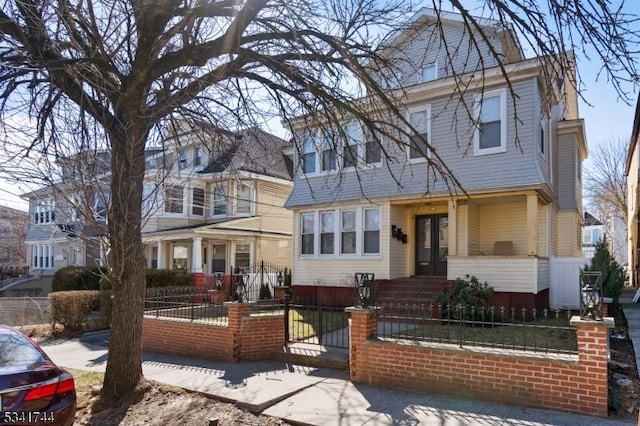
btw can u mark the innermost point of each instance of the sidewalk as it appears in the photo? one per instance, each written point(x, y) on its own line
point(319, 396)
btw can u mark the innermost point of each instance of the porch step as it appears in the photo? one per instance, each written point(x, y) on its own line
point(311, 355)
point(418, 289)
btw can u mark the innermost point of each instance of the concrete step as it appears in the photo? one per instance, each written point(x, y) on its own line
point(312, 355)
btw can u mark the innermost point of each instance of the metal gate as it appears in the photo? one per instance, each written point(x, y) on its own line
point(309, 321)
point(257, 281)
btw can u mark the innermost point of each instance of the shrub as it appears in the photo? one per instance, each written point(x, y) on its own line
point(613, 274)
point(467, 292)
point(77, 278)
point(73, 308)
point(168, 278)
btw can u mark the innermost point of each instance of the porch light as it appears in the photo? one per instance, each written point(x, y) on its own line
point(218, 281)
point(364, 283)
point(591, 295)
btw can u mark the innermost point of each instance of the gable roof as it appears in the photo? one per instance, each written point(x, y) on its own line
point(256, 151)
point(589, 220)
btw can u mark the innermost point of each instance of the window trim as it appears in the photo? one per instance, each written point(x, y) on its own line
point(251, 200)
point(224, 186)
point(433, 64)
point(309, 147)
point(166, 199)
point(316, 215)
point(193, 201)
point(427, 110)
point(477, 107)
point(356, 143)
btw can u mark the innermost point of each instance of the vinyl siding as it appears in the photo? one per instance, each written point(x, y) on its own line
point(569, 232)
point(554, 229)
point(452, 136)
point(522, 275)
point(462, 227)
point(276, 251)
point(270, 200)
point(543, 230)
point(503, 222)
point(399, 254)
point(543, 274)
point(567, 182)
point(474, 230)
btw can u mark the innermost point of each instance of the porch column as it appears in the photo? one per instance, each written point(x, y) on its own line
point(196, 255)
point(453, 227)
point(161, 260)
point(532, 224)
point(196, 261)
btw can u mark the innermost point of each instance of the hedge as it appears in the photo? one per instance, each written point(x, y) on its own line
point(80, 310)
point(72, 278)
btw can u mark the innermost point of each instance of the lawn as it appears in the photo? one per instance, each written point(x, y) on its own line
point(306, 323)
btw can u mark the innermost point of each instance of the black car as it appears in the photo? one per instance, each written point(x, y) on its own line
point(33, 390)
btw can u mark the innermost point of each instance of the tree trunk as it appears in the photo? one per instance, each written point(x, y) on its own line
point(124, 366)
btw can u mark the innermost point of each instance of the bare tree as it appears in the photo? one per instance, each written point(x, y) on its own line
point(605, 183)
point(111, 75)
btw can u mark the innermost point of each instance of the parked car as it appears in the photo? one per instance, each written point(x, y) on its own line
point(33, 390)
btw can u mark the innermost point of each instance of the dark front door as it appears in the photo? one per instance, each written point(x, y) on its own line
point(432, 244)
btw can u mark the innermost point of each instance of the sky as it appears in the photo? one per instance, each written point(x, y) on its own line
point(606, 116)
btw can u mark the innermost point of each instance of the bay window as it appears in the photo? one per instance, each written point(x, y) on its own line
point(307, 224)
point(197, 208)
point(173, 199)
point(244, 198)
point(220, 200)
point(348, 232)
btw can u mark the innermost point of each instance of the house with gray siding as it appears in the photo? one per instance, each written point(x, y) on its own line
point(516, 147)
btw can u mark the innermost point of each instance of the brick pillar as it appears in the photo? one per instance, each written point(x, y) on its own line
point(363, 324)
point(593, 351)
point(235, 312)
point(198, 279)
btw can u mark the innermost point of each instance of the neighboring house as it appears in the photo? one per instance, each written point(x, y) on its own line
point(213, 200)
point(220, 210)
point(366, 212)
point(632, 171)
point(592, 234)
point(13, 230)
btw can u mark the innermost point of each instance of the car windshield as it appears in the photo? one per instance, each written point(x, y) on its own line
point(17, 350)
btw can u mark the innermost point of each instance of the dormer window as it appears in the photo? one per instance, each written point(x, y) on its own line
point(44, 212)
point(308, 155)
point(183, 161)
point(197, 156)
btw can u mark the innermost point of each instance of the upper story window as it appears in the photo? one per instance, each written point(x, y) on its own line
point(372, 150)
point(308, 155)
point(174, 199)
point(421, 121)
point(353, 135)
point(591, 236)
point(220, 199)
point(100, 206)
point(197, 207)
point(329, 155)
point(44, 211)
point(197, 156)
point(542, 136)
point(183, 161)
point(491, 134)
point(244, 199)
point(428, 72)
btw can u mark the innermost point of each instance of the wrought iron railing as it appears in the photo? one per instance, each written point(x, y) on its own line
point(309, 320)
point(184, 303)
point(546, 330)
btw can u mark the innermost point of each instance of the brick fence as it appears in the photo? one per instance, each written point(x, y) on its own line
point(246, 337)
point(563, 382)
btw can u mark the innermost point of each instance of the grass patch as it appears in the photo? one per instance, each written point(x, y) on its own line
point(306, 323)
point(88, 385)
point(541, 336)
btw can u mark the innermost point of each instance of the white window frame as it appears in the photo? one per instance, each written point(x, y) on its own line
point(366, 139)
point(224, 186)
point(251, 200)
point(167, 199)
point(193, 201)
point(353, 138)
point(314, 249)
point(183, 159)
point(235, 253)
point(197, 156)
point(502, 93)
point(45, 211)
point(329, 144)
point(42, 256)
point(433, 65)
point(426, 109)
point(309, 147)
point(365, 230)
point(316, 233)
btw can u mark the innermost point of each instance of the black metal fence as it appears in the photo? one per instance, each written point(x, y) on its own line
point(546, 331)
point(309, 321)
point(186, 303)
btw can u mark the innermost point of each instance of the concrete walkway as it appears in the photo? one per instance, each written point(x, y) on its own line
point(321, 396)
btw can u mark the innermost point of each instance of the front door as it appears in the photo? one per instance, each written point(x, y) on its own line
point(432, 244)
